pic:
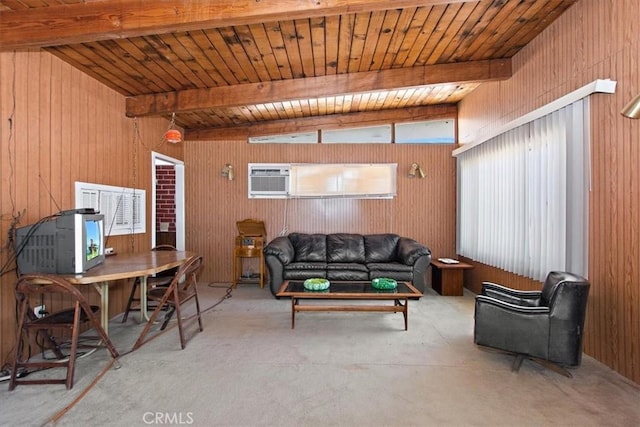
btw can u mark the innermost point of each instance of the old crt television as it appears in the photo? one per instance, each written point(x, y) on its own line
point(71, 242)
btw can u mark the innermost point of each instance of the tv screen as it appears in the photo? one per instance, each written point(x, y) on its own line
point(93, 239)
point(89, 232)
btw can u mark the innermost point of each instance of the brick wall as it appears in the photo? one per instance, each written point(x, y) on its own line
point(165, 197)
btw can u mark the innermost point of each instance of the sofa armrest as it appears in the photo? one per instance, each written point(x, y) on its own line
point(513, 296)
point(281, 248)
point(409, 250)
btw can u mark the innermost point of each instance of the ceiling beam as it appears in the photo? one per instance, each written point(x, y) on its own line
point(316, 87)
point(111, 19)
point(333, 121)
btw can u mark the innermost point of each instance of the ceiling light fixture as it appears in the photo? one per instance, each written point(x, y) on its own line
point(172, 134)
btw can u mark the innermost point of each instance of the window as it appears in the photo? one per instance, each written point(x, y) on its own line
point(123, 208)
point(523, 196)
point(290, 138)
point(423, 132)
point(371, 134)
point(353, 180)
point(426, 132)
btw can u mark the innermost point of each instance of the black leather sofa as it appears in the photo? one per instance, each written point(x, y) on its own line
point(343, 256)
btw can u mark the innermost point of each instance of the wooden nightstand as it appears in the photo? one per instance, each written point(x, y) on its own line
point(448, 279)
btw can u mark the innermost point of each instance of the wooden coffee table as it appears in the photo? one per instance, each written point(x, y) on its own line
point(360, 291)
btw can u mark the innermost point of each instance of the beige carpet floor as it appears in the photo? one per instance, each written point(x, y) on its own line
point(249, 368)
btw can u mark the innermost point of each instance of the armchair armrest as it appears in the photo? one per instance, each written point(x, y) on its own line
point(281, 248)
point(511, 327)
point(409, 250)
point(513, 296)
point(509, 307)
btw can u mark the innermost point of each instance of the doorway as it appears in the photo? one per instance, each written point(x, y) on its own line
point(174, 223)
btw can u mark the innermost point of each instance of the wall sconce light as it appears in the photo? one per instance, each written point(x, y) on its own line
point(632, 109)
point(227, 172)
point(172, 134)
point(415, 170)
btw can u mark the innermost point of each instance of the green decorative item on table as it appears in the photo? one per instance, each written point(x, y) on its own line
point(384, 283)
point(316, 284)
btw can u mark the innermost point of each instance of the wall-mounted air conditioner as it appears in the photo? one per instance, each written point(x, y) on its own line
point(268, 180)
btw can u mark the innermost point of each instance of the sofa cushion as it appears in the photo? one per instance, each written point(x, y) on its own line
point(343, 247)
point(309, 247)
point(388, 266)
point(400, 276)
point(304, 270)
point(352, 266)
point(304, 274)
point(305, 265)
point(380, 247)
point(344, 275)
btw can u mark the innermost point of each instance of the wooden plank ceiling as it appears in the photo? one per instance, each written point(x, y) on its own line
point(276, 66)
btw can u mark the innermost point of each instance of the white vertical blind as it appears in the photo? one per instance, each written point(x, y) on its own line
point(523, 196)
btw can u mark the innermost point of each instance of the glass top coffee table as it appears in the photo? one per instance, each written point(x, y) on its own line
point(361, 291)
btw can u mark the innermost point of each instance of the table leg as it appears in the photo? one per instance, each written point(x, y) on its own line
point(405, 312)
point(103, 290)
point(294, 301)
point(144, 316)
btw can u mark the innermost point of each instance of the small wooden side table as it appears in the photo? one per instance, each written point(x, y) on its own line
point(448, 279)
point(249, 244)
point(242, 251)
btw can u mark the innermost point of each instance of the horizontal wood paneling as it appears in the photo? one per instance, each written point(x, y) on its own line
point(60, 126)
point(424, 209)
point(593, 39)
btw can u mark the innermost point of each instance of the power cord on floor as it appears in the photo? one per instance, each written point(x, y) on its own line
point(5, 374)
point(61, 413)
point(227, 294)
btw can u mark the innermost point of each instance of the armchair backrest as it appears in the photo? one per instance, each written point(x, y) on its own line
point(554, 278)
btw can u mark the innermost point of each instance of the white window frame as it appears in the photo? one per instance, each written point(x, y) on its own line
point(124, 209)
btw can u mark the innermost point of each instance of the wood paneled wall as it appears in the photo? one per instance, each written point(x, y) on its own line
point(424, 209)
point(58, 126)
point(594, 39)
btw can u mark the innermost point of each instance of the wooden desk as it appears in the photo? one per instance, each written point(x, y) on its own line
point(448, 279)
point(127, 266)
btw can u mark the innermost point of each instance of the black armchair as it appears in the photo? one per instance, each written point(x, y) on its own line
point(544, 326)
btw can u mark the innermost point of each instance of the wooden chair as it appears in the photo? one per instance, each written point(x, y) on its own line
point(182, 289)
point(36, 285)
point(162, 279)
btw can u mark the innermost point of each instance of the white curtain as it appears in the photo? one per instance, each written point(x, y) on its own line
point(523, 196)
